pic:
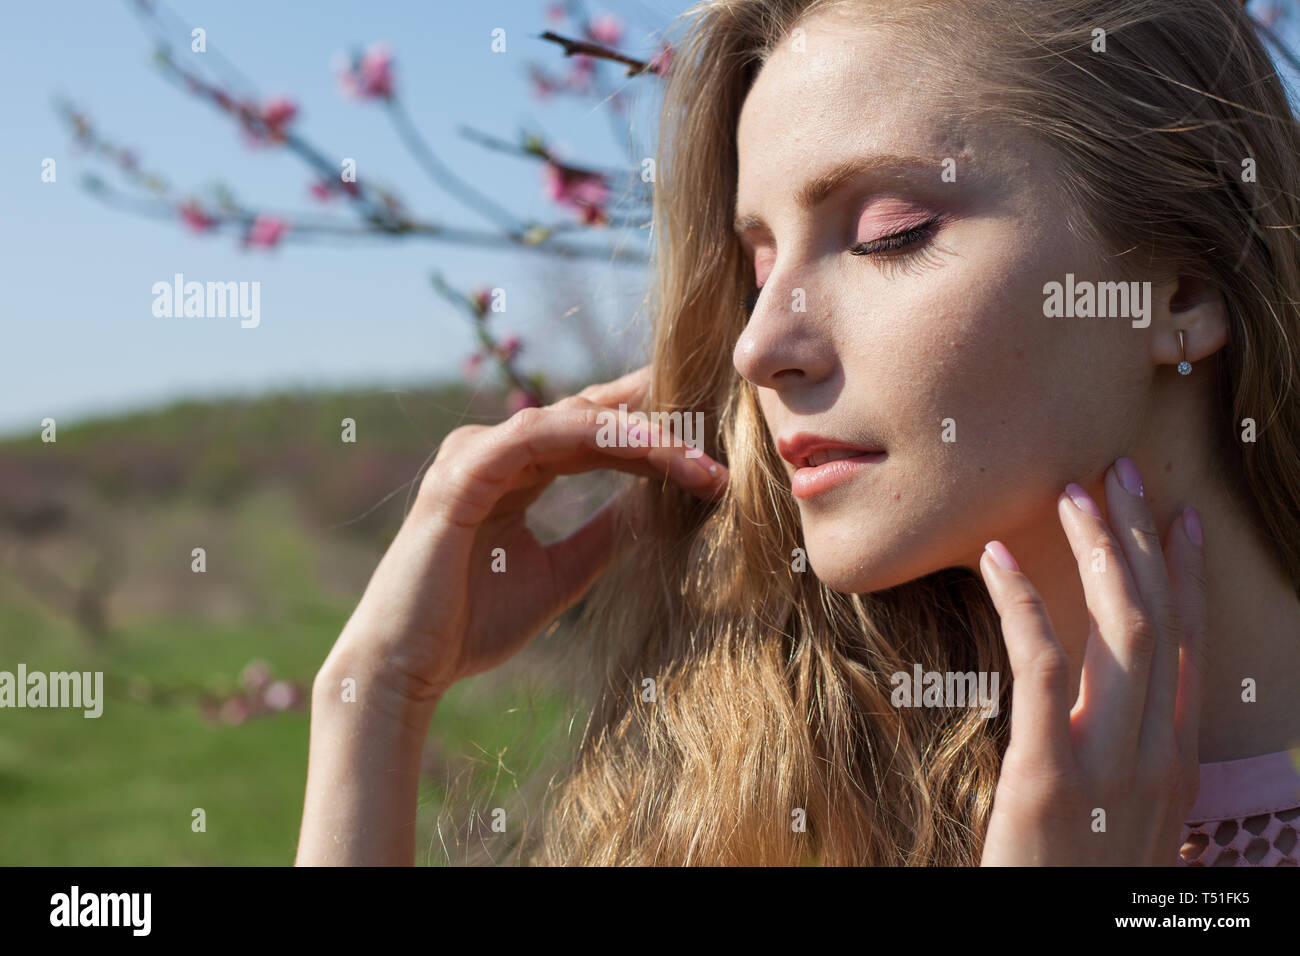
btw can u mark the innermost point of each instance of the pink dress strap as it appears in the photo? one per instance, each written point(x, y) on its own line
point(1247, 813)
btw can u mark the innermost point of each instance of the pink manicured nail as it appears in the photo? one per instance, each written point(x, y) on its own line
point(998, 551)
point(1082, 500)
point(1129, 476)
point(707, 466)
point(1192, 522)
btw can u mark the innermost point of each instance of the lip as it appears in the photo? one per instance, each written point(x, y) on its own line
point(809, 480)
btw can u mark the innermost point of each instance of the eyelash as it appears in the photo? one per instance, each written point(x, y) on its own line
point(892, 250)
point(895, 241)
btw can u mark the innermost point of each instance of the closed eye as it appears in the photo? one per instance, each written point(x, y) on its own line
point(907, 249)
point(897, 240)
point(898, 248)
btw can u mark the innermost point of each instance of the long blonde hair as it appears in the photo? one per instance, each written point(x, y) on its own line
point(771, 692)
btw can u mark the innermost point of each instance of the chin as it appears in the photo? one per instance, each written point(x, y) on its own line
point(856, 561)
point(848, 573)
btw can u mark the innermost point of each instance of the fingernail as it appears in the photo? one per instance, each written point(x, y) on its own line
point(708, 466)
point(1082, 500)
point(1192, 522)
point(1129, 476)
point(998, 551)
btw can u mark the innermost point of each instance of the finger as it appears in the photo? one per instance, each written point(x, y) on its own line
point(1186, 562)
point(567, 438)
point(1135, 526)
point(576, 561)
point(1117, 660)
point(458, 437)
point(1157, 735)
point(1040, 705)
point(662, 448)
point(630, 389)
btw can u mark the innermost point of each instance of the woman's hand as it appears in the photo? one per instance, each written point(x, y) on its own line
point(445, 603)
point(1128, 748)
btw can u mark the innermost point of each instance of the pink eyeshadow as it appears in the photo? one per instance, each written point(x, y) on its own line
point(887, 215)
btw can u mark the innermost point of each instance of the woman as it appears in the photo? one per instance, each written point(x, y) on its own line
point(1030, 268)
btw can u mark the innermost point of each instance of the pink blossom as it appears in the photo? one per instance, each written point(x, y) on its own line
point(606, 29)
point(581, 73)
point(520, 399)
point(280, 696)
point(542, 84)
point(662, 60)
point(325, 189)
point(192, 215)
point(370, 77)
point(555, 181)
point(267, 123)
point(482, 299)
point(472, 365)
point(266, 232)
point(592, 216)
point(571, 186)
point(234, 711)
point(279, 111)
point(508, 347)
point(256, 674)
point(555, 14)
point(377, 72)
point(586, 192)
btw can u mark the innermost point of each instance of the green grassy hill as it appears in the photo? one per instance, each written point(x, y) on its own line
point(96, 535)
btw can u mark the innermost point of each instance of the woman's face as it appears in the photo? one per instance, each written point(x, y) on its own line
point(932, 346)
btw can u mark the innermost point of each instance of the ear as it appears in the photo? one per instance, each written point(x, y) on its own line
point(1194, 305)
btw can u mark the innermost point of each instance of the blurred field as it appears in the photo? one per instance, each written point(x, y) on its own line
point(96, 533)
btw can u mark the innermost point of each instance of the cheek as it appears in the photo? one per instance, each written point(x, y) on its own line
point(967, 352)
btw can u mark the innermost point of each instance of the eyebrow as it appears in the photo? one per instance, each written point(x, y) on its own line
point(817, 189)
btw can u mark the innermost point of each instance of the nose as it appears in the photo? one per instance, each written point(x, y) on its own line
point(787, 339)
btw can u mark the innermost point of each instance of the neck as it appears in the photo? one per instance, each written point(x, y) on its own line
point(1253, 610)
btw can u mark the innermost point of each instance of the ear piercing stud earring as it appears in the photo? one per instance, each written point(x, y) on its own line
point(1184, 367)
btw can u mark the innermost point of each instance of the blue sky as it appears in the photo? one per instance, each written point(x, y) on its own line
point(78, 337)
